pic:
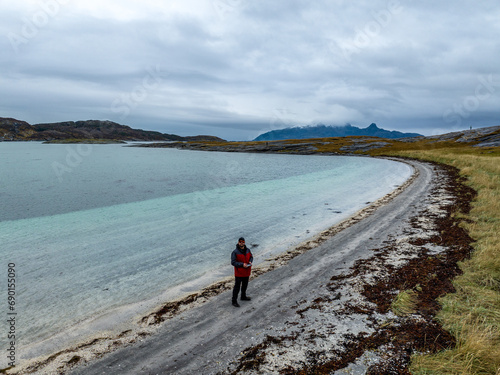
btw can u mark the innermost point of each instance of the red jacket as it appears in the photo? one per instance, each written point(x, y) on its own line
point(238, 257)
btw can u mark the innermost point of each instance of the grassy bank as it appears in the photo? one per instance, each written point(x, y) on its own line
point(472, 314)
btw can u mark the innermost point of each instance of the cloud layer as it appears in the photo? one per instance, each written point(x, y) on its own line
point(238, 68)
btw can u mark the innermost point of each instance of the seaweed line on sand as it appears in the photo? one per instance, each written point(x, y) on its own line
point(421, 262)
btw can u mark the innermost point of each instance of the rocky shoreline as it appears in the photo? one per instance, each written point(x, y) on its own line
point(303, 148)
point(483, 137)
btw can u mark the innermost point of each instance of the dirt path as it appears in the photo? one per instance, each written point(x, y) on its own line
point(319, 311)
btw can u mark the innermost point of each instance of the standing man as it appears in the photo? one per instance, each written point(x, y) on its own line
point(241, 259)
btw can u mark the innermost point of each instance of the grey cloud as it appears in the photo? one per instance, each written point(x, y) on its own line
point(247, 66)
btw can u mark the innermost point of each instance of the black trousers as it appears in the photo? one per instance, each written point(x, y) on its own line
point(240, 282)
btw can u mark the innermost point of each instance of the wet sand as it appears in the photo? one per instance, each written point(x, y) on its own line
point(309, 306)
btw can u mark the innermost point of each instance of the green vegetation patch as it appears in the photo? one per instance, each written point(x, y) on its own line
point(405, 303)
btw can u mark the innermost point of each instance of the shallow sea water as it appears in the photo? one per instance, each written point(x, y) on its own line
point(93, 229)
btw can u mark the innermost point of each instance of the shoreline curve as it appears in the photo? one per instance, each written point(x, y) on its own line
point(90, 350)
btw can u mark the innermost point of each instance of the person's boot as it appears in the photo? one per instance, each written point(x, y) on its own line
point(236, 304)
point(245, 298)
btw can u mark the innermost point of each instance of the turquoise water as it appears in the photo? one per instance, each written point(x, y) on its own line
point(97, 228)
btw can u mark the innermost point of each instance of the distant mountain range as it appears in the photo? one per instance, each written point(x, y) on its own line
point(323, 131)
point(97, 130)
point(17, 130)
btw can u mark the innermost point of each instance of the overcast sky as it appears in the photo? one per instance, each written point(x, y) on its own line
point(239, 68)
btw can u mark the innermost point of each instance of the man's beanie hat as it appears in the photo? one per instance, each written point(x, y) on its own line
point(241, 239)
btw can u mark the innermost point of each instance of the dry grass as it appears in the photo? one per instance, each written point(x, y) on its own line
point(474, 354)
point(405, 303)
point(472, 314)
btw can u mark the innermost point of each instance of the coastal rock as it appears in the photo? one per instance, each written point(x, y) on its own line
point(265, 147)
point(14, 130)
point(363, 146)
point(96, 129)
point(481, 135)
point(490, 140)
point(203, 138)
point(92, 131)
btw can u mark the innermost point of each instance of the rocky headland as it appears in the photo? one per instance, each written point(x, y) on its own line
point(90, 131)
